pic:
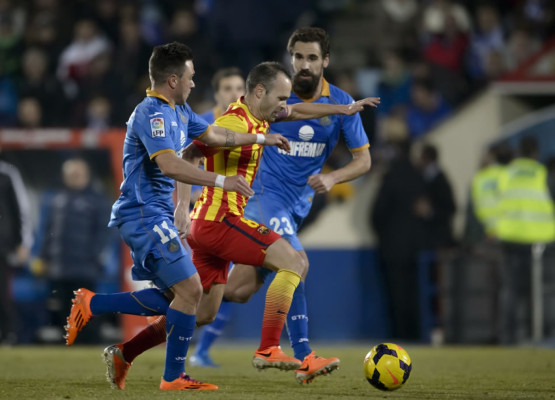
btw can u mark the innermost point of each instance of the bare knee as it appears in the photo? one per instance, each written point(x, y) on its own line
point(280, 255)
point(239, 295)
point(187, 295)
point(205, 319)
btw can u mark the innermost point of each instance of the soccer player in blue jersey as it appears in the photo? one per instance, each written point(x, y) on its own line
point(228, 85)
point(286, 182)
point(157, 132)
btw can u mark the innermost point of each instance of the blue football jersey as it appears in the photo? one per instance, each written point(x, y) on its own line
point(284, 175)
point(154, 127)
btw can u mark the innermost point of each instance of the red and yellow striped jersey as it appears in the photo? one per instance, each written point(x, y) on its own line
point(215, 203)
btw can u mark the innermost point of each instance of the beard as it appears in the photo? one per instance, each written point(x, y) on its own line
point(303, 87)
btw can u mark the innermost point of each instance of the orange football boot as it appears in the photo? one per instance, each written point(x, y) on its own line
point(185, 382)
point(80, 314)
point(274, 357)
point(116, 366)
point(313, 366)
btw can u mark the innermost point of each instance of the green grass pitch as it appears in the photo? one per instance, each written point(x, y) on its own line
point(438, 373)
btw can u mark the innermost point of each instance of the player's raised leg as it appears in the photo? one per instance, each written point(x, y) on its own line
point(87, 304)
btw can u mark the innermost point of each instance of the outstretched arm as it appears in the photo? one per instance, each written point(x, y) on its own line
point(360, 164)
point(224, 137)
point(317, 110)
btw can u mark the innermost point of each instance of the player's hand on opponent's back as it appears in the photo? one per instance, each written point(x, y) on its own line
point(275, 139)
point(238, 183)
point(358, 106)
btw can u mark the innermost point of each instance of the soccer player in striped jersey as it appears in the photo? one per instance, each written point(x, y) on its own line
point(157, 133)
point(228, 85)
point(219, 233)
point(286, 182)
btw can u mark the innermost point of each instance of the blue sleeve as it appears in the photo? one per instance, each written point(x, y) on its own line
point(153, 128)
point(353, 131)
point(197, 125)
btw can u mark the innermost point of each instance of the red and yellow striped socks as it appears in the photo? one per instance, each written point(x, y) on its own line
point(278, 301)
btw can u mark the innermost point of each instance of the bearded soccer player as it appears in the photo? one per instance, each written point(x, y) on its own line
point(219, 233)
point(157, 132)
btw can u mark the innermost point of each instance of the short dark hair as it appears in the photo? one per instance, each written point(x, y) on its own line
point(310, 34)
point(222, 74)
point(265, 74)
point(528, 146)
point(502, 152)
point(430, 153)
point(168, 59)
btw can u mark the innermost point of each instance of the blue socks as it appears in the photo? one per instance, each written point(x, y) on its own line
point(297, 324)
point(142, 302)
point(179, 331)
point(211, 332)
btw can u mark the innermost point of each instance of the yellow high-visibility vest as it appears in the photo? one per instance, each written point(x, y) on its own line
point(485, 196)
point(527, 213)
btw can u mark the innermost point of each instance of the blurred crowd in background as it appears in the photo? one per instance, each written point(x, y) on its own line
point(82, 64)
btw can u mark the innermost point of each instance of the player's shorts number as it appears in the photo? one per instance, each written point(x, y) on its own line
point(276, 224)
point(250, 222)
point(163, 238)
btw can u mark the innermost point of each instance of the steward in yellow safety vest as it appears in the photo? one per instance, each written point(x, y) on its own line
point(526, 209)
point(485, 187)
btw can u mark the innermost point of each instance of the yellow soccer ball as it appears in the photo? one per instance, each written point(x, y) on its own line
point(387, 366)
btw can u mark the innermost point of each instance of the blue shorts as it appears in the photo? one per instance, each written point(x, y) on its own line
point(269, 211)
point(157, 252)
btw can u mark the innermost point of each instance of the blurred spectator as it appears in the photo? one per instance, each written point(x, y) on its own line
point(427, 109)
point(526, 218)
point(45, 31)
point(71, 240)
point(487, 37)
point(74, 63)
point(29, 113)
point(10, 45)
point(107, 18)
point(98, 115)
point(538, 14)
point(401, 237)
point(521, 46)
point(99, 81)
point(447, 48)
point(37, 83)
point(8, 100)
point(130, 61)
point(15, 242)
point(494, 65)
point(439, 216)
point(398, 22)
point(438, 14)
point(395, 83)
